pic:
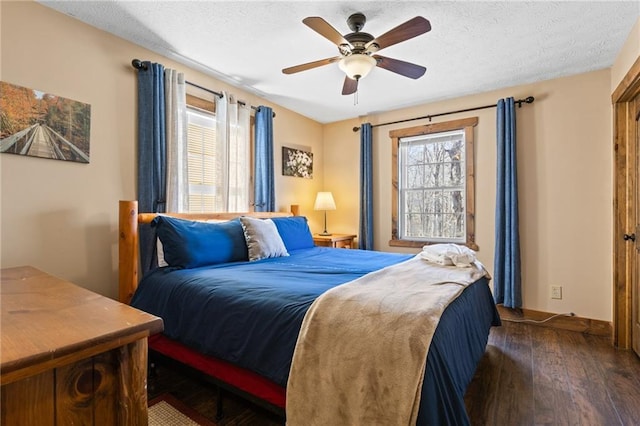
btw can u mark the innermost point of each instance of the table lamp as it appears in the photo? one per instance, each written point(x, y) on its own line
point(324, 201)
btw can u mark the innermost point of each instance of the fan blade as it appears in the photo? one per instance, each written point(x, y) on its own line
point(310, 65)
point(412, 28)
point(406, 69)
point(323, 28)
point(350, 86)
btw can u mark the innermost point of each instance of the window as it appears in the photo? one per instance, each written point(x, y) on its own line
point(433, 184)
point(218, 160)
point(204, 195)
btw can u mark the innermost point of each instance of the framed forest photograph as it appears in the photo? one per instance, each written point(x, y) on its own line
point(39, 124)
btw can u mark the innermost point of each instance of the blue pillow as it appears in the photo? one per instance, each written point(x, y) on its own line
point(190, 244)
point(294, 231)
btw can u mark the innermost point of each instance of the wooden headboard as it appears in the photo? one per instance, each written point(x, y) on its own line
point(128, 248)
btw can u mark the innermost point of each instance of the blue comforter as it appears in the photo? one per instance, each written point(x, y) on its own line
point(250, 313)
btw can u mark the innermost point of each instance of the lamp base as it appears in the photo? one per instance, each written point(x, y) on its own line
point(325, 233)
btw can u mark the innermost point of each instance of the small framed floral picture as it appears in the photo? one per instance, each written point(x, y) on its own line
point(297, 163)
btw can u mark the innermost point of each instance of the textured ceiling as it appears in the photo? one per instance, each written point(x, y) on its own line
point(473, 47)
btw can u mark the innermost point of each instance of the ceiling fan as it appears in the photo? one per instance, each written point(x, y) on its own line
point(357, 49)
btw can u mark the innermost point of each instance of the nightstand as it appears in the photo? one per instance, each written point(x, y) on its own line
point(334, 240)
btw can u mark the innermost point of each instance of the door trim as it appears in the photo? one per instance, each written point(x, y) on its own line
point(624, 214)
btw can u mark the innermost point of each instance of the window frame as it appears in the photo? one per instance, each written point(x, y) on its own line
point(467, 125)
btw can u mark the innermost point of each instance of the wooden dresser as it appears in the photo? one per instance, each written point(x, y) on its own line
point(70, 356)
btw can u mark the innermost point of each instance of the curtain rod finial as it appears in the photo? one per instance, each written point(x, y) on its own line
point(529, 99)
point(355, 129)
point(137, 64)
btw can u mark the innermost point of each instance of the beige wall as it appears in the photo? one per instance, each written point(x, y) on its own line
point(565, 179)
point(629, 53)
point(60, 216)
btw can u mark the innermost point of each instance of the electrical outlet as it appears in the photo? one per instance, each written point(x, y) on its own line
point(556, 292)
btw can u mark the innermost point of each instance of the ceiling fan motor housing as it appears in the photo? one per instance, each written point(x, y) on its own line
point(358, 39)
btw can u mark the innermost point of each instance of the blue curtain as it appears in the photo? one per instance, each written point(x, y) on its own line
point(506, 271)
point(365, 237)
point(265, 198)
point(152, 171)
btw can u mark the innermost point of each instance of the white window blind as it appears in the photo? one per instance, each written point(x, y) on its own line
point(204, 194)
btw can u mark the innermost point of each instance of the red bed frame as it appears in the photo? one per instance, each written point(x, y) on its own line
point(229, 377)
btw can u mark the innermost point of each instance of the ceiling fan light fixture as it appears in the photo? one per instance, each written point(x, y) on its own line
point(357, 66)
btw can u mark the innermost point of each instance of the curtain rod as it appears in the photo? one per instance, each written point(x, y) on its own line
point(527, 100)
point(139, 65)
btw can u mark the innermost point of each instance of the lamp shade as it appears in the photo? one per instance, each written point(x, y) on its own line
point(324, 201)
point(357, 66)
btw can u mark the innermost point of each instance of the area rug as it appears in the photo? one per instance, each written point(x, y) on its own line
point(166, 410)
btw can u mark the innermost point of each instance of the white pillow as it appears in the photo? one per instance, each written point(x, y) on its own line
point(160, 254)
point(263, 239)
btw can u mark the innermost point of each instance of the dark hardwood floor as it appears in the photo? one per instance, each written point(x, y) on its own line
point(533, 375)
point(202, 397)
point(529, 375)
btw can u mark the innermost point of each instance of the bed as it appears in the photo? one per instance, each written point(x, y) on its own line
point(253, 311)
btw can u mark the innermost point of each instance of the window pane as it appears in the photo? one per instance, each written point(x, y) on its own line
point(452, 201)
point(453, 174)
point(414, 201)
point(433, 153)
point(415, 154)
point(415, 225)
point(415, 177)
point(433, 175)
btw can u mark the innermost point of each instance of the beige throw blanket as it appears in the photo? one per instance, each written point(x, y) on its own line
point(361, 352)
